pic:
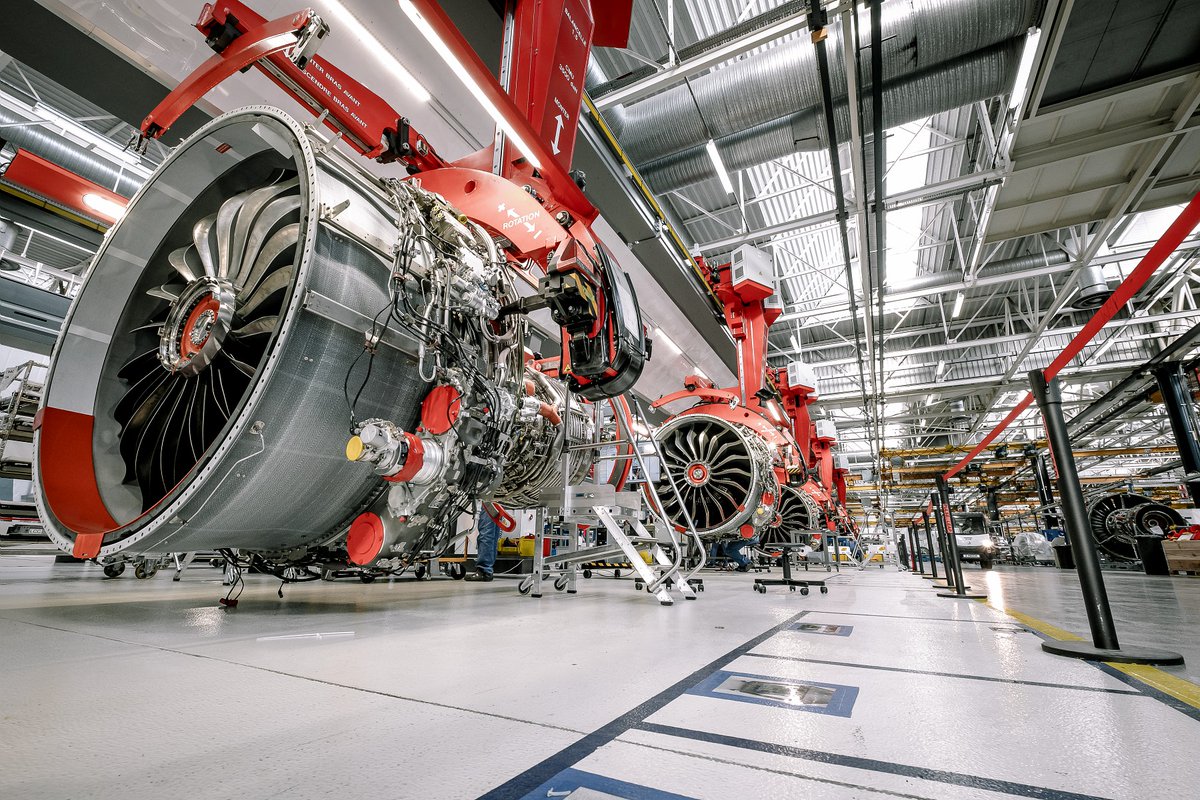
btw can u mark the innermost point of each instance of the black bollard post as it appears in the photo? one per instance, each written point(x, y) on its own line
point(1105, 646)
point(929, 542)
point(960, 586)
point(943, 546)
point(914, 549)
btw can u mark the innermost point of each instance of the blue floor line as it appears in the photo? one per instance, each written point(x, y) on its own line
point(522, 784)
point(571, 780)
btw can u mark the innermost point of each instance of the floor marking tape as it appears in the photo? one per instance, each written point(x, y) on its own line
point(971, 781)
point(528, 780)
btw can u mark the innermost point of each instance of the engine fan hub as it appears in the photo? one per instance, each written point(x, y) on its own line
point(196, 326)
point(697, 474)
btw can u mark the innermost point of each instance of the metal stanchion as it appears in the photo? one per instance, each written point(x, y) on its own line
point(955, 566)
point(1105, 646)
point(914, 555)
point(939, 525)
point(929, 541)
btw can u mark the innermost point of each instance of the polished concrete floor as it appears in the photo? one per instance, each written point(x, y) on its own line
point(147, 689)
point(1149, 611)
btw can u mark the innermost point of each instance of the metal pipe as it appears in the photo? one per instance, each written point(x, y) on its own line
point(817, 20)
point(880, 169)
point(1182, 414)
point(978, 76)
point(918, 36)
point(53, 146)
point(1079, 531)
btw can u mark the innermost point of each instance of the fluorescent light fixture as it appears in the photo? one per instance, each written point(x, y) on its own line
point(958, 304)
point(103, 205)
point(667, 341)
point(1025, 68)
point(364, 38)
point(719, 166)
point(941, 367)
point(795, 343)
point(460, 71)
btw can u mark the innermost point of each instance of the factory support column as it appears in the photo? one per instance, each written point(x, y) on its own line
point(1105, 646)
point(955, 567)
point(1176, 399)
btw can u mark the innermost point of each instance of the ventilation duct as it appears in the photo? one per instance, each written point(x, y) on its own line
point(52, 146)
point(1093, 288)
point(918, 35)
point(8, 237)
point(1051, 258)
point(967, 80)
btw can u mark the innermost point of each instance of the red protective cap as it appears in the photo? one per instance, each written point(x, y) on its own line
point(365, 539)
point(441, 408)
point(747, 531)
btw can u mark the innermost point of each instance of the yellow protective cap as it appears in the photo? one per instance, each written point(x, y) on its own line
point(354, 448)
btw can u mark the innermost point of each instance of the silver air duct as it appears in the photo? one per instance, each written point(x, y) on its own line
point(776, 83)
point(1093, 287)
point(977, 77)
point(18, 131)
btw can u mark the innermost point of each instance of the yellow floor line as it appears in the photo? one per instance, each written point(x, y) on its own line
point(1183, 690)
point(1179, 688)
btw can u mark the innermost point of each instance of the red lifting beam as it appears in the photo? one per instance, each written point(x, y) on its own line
point(1180, 229)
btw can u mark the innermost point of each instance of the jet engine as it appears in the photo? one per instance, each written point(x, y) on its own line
point(263, 300)
point(1118, 519)
point(798, 510)
point(724, 474)
point(747, 460)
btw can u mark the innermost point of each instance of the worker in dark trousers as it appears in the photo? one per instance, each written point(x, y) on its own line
point(902, 550)
point(486, 540)
point(732, 550)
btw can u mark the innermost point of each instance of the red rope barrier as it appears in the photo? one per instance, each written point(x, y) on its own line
point(1180, 229)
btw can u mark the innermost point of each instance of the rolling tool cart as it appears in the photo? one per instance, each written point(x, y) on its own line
point(761, 584)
